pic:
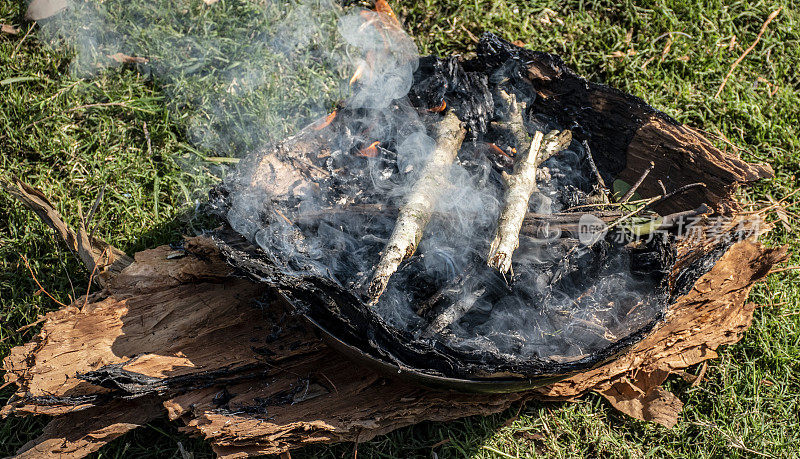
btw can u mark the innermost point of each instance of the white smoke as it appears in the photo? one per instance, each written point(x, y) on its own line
point(242, 75)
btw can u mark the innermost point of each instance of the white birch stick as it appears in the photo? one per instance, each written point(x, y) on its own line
point(416, 212)
point(520, 185)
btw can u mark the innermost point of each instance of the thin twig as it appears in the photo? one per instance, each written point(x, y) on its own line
point(23, 39)
point(330, 382)
point(28, 265)
point(93, 210)
point(784, 269)
point(663, 188)
point(747, 51)
point(91, 278)
point(608, 204)
point(601, 184)
point(31, 325)
point(638, 182)
point(593, 165)
point(678, 191)
point(64, 266)
point(777, 204)
point(632, 213)
point(147, 136)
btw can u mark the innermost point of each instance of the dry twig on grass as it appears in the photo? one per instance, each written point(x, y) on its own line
point(42, 289)
point(736, 63)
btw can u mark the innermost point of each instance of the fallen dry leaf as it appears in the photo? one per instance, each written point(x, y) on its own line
point(125, 59)
point(532, 436)
point(621, 54)
point(9, 29)
point(666, 49)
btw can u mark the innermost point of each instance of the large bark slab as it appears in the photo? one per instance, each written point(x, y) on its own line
point(227, 359)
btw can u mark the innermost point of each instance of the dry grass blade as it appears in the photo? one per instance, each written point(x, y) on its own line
point(22, 41)
point(42, 289)
point(736, 63)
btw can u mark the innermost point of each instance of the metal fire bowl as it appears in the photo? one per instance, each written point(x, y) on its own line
point(410, 375)
point(233, 245)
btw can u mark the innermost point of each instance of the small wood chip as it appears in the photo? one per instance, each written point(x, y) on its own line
point(9, 29)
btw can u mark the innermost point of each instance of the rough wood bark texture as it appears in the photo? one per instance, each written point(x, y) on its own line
point(175, 334)
point(181, 337)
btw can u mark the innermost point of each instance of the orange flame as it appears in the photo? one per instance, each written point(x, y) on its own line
point(325, 122)
point(357, 74)
point(386, 23)
point(440, 108)
point(499, 150)
point(382, 6)
point(371, 151)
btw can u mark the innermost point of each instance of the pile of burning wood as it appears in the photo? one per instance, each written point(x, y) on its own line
point(466, 229)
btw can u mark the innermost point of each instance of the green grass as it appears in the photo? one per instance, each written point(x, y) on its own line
point(749, 402)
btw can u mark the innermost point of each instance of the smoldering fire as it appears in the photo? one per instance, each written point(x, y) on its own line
point(407, 230)
point(431, 209)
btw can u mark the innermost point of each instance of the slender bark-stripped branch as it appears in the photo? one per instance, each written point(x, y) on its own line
point(416, 212)
point(515, 123)
point(520, 185)
point(451, 314)
point(638, 183)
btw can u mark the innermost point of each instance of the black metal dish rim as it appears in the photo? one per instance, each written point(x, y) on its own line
point(550, 368)
point(533, 380)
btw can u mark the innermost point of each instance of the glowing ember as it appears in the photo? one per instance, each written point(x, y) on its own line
point(500, 151)
point(440, 108)
point(325, 122)
point(371, 151)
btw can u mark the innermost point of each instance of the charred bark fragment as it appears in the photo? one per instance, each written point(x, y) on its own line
point(132, 383)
